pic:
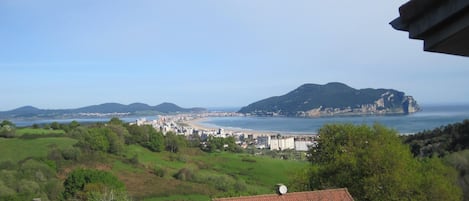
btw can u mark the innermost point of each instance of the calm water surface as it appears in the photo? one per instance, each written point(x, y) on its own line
point(431, 117)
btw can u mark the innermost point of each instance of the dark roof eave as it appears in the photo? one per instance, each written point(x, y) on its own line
point(398, 24)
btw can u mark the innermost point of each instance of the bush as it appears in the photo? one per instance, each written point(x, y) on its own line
point(78, 179)
point(5, 190)
point(159, 171)
point(222, 182)
point(184, 174)
point(8, 165)
point(70, 154)
point(7, 131)
point(240, 186)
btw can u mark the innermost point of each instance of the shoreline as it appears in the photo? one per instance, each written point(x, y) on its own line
point(196, 124)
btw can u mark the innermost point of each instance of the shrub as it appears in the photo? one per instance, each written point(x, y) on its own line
point(159, 171)
point(9, 165)
point(71, 154)
point(7, 131)
point(78, 179)
point(184, 174)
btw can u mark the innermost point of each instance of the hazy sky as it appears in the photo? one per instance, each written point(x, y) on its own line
point(210, 53)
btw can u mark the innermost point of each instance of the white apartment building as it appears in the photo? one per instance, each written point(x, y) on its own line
point(282, 143)
point(263, 142)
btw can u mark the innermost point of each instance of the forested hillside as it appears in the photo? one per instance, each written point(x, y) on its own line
point(440, 141)
point(451, 143)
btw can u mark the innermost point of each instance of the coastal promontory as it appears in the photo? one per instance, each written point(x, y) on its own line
point(333, 99)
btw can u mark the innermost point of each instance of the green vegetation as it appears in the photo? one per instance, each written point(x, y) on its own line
point(440, 141)
point(37, 131)
point(214, 144)
point(18, 149)
point(451, 143)
point(460, 161)
point(194, 197)
point(28, 179)
point(7, 129)
point(85, 163)
point(85, 184)
point(129, 162)
point(374, 165)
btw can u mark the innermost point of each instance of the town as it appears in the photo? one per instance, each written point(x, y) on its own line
point(186, 124)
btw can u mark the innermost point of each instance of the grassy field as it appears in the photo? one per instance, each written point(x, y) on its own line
point(194, 197)
point(17, 149)
point(258, 175)
point(37, 131)
point(152, 176)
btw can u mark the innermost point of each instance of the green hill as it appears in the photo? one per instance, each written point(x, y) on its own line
point(310, 100)
point(35, 164)
point(131, 109)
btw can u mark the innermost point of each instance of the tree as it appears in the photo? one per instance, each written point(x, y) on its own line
point(194, 140)
point(6, 122)
point(7, 129)
point(99, 139)
point(121, 131)
point(74, 124)
point(156, 141)
point(116, 143)
point(138, 134)
point(222, 144)
point(460, 161)
point(82, 183)
point(373, 164)
point(214, 144)
point(55, 125)
point(438, 180)
point(173, 142)
point(116, 121)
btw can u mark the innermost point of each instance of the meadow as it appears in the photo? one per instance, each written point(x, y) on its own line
point(190, 174)
point(16, 149)
point(207, 174)
point(37, 131)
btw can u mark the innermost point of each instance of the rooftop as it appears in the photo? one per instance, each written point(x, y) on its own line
point(340, 194)
point(443, 25)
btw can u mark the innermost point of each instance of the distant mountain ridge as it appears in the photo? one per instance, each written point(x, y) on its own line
point(313, 100)
point(105, 108)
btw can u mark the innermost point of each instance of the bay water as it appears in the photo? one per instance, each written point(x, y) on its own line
point(429, 118)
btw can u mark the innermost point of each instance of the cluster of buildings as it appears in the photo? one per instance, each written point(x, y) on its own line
point(179, 125)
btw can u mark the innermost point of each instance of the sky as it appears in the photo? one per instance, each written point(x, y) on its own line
point(59, 54)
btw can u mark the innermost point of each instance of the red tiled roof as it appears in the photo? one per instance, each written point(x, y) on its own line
point(340, 194)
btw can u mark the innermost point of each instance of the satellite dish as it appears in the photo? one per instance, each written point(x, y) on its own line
point(281, 189)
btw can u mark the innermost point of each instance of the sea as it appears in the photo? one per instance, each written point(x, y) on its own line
point(30, 122)
point(431, 117)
